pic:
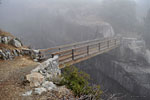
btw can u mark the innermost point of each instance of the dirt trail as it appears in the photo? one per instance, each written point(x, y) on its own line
point(11, 75)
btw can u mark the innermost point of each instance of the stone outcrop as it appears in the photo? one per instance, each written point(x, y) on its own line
point(35, 79)
point(10, 40)
point(39, 90)
point(43, 76)
point(12, 47)
point(5, 40)
point(16, 43)
point(49, 68)
point(9, 54)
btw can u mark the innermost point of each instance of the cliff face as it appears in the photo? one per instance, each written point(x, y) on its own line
point(122, 70)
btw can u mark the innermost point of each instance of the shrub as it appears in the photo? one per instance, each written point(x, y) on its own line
point(78, 82)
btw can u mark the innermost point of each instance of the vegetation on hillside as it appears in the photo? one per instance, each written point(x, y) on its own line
point(78, 82)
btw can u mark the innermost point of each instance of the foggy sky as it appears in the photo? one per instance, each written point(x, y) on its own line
point(52, 20)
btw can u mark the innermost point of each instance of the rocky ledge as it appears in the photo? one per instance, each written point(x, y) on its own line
point(11, 47)
point(43, 80)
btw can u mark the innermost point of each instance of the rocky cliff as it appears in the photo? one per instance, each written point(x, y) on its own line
point(124, 70)
point(12, 47)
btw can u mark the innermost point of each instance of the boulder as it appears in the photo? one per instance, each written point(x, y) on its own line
point(35, 79)
point(1, 53)
point(39, 90)
point(3, 56)
point(25, 51)
point(8, 55)
point(0, 39)
point(49, 69)
point(9, 38)
point(28, 93)
point(18, 52)
point(35, 55)
point(15, 42)
point(15, 52)
point(49, 85)
point(5, 40)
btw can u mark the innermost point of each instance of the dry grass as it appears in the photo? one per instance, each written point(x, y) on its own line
point(3, 33)
point(6, 46)
point(11, 74)
point(11, 87)
point(10, 47)
point(6, 67)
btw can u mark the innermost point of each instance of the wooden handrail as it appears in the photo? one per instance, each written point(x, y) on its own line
point(75, 44)
point(75, 51)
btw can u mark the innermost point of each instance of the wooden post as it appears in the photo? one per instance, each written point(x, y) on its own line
point(88, 50)
point(99, 46)
point(52, 55)
point(59, 52)
point(115, 42)
point(108, 43)
point(72, 54)
point(59, 49)
point(74, 46)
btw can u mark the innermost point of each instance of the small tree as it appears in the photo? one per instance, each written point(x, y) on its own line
point(78, 82)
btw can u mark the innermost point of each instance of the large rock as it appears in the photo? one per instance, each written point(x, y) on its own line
point(39, 90)
point(49, 69)
point(5, 40)
point(1, 52)
point(35, 54)
point(0, 39)
point(42, 75)
point(28, 93)
point(16, 43)
point(5, 54)
point(48, 85)
point(26, 51)
point(35, 79)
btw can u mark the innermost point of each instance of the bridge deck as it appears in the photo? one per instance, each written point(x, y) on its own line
point(77, 52)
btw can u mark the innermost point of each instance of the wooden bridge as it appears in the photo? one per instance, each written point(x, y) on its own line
point(77, 52)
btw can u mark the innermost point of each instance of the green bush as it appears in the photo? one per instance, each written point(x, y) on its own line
point(78, 82)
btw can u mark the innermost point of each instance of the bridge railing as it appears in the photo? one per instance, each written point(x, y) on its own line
point(77, 52)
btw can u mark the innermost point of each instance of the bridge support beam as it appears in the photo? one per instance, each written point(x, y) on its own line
point(72, 54)
point(88, 50)
point(99, 46)
point(108, 43)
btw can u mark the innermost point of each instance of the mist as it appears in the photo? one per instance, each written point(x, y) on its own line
point(117, 58)
point(48, 23)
